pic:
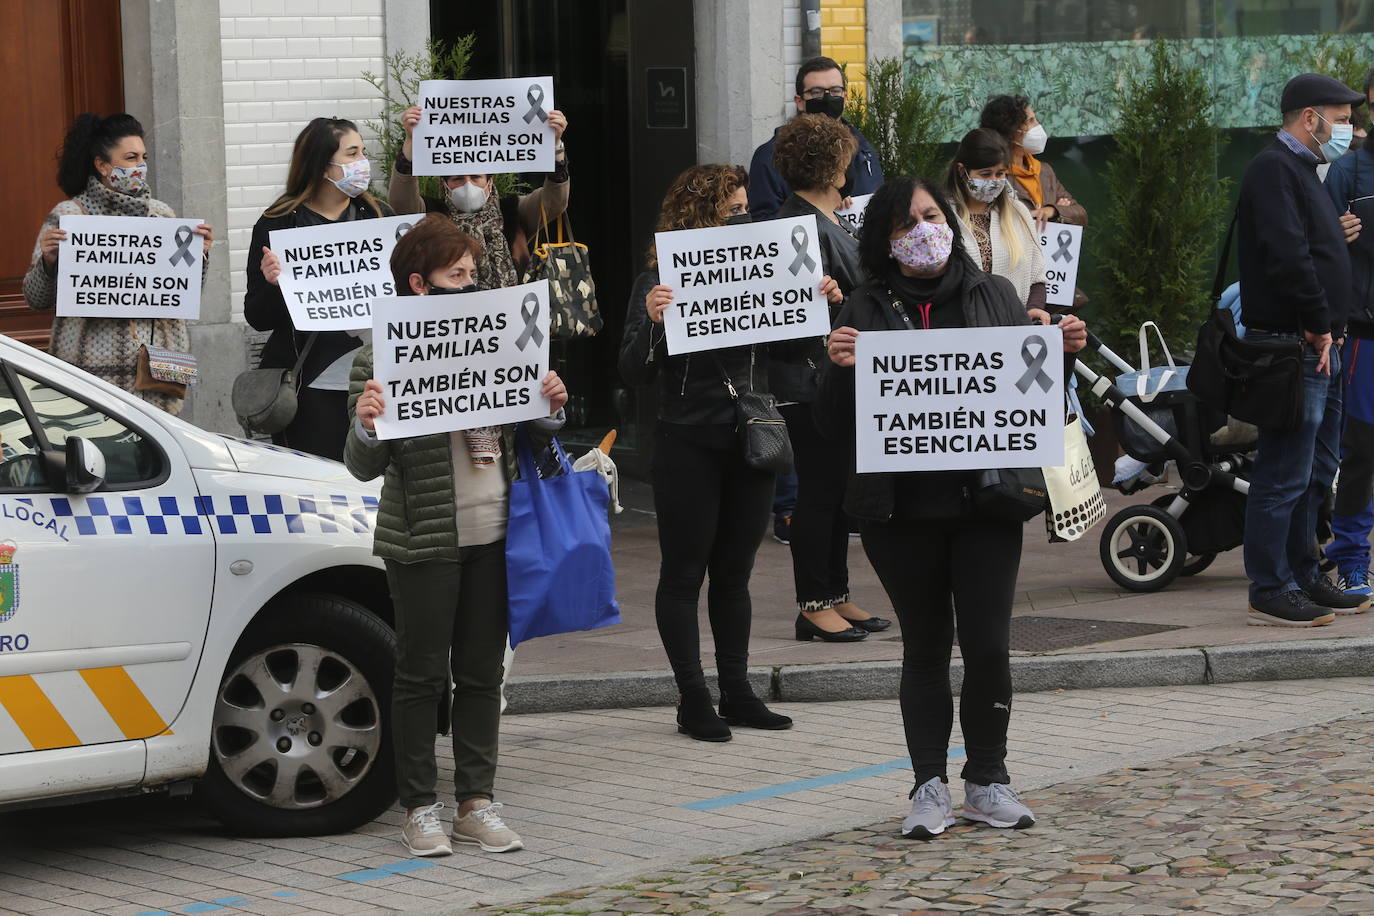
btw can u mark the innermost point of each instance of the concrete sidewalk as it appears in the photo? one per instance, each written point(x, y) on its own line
point(1077, 627)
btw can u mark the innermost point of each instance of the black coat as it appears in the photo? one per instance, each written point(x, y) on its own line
point(265, 308)
point(691, 390)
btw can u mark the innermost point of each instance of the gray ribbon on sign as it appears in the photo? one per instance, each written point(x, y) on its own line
point(803, 259)
point(529, 310)
point(1035, 365)
point(183, 240)
point(535, 96)
point(402, 229)
point(1063, 240)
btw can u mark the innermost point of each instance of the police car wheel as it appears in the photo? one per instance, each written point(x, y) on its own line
point(301, 742)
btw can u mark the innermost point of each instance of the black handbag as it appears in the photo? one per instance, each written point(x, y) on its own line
point(1258, 381)
point(1014, 494)
point(264, 400)
point(762, 430)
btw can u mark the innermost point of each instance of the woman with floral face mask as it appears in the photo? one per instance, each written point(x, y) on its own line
point(326, 184)
point(505, 224)
point(995, 226)
point(103, 168)
point(938, 558)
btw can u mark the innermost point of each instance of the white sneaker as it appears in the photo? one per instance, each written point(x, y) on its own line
point(931, 811)
point(484, 827)
point(423, 834)
point(996, 805)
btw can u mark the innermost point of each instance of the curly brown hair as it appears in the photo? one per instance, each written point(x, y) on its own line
point(696, 199)
point(811, 149)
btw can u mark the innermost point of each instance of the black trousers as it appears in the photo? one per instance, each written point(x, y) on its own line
point(820, 529)
point(935, 571)
point(320, 424)
point(713, 510)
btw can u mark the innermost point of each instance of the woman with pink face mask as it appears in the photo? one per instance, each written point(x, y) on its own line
point(938, 557)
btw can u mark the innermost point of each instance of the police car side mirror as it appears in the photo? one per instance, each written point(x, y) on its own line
point(85, 465)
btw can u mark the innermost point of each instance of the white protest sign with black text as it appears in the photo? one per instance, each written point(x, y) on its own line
point(481, 127)
point(747, 284)
point(959, 399)
point(460, 361)
point(330, 274)
point(1063, 247)
point(129, 267)
point(853, 216)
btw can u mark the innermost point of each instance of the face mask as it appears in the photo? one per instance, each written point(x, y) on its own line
point(739, 219)
point(986, 189)
point(926, 246)
point(1341, 135)
point(1034, 141)
point(130, 180)
point(451, 290)
point(467, 197)
point(826, 105)
point(357, 176)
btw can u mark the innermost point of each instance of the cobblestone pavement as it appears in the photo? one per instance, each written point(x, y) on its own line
point(605, 797)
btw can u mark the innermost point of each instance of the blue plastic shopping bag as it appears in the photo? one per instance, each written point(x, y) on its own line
point(558, 549)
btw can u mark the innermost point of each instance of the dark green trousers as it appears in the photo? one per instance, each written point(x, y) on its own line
point(450, 617)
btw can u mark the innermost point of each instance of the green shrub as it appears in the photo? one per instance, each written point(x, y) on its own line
point(903, 116)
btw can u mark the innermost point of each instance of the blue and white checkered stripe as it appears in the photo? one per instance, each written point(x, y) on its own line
point(239, 514)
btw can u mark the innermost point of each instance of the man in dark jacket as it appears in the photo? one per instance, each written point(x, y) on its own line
point(821, 89)
point(1350, 184)
point(1295, 284)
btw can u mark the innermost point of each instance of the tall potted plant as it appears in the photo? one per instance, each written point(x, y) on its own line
point(904, 116)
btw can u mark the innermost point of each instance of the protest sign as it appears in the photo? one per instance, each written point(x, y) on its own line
point(449, 362)
point(735, 285)
point(480, 127)
point(1063, 247)
point(853, 217)
point(330, 274)
point(959, 399)
point(129, 267)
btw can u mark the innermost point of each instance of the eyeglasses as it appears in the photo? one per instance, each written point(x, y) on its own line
point(818, 92)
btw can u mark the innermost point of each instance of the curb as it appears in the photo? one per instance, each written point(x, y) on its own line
point(1295, 660)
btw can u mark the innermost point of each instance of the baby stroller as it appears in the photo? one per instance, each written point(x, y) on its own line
point(1146, 546)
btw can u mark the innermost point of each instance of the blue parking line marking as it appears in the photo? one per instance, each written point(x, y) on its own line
point(231, 901)
point(386, 871)
point(283, 894)
point(201, 908)
point(815, 782)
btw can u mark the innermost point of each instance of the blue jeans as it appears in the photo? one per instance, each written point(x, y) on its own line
point(1353, 518)
point(1293, 472)
point(784, 496)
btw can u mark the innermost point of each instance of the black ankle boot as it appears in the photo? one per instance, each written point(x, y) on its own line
point(696, 717)
point(747, 709)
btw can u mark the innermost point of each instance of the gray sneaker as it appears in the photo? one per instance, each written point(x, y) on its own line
point(996, 805)
point(931, 811)
point(484, 827)
point(423, 834)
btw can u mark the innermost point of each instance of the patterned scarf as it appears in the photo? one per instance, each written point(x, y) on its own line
point(495, 269)
point(484, 445)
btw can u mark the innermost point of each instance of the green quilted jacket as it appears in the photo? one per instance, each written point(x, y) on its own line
point(415, 518)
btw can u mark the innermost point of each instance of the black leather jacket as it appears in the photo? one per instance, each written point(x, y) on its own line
point(691, 389)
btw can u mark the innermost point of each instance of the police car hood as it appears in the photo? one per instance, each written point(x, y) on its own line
point(264, 458)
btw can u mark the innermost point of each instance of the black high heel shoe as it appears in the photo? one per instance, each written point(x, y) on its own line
point(697, 719)
point(807, 631)
point(749, 710)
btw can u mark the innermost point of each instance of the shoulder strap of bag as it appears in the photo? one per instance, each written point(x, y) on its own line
point(300, 360)
point(900, 309)
point(1219, 283)
point(725, 378)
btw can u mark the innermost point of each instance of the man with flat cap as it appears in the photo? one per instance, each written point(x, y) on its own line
point(1295, 283)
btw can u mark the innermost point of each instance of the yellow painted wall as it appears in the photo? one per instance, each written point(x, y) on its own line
point(843, 37)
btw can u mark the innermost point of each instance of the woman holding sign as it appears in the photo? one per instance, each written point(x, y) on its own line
point(441, 528)
point(504, 225)
point(103, 167)
point(811, 153)
point(326, 184)
point(939, 557)
point(713, 508)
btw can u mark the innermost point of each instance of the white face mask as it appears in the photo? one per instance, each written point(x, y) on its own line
point(1034, 141)
point(467, 197)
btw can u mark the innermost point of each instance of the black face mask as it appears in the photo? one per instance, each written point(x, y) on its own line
point(826, 105)
point(847, 189)
point(739, 219)
point(450, 290)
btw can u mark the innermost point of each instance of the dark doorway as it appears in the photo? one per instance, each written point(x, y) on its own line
point(603, 56)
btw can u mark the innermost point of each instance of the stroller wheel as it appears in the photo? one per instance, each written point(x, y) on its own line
point(1196, 563)
point(1143, 548)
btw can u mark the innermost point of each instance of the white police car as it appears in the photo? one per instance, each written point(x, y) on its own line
point(177, 605)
